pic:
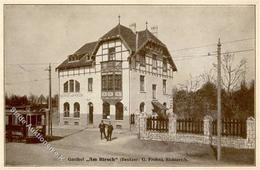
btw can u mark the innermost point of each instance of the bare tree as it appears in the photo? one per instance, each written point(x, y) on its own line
point(208, 76)
point(231, 74)
point(192, 84)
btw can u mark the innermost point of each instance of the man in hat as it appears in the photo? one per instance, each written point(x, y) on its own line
point(102, 129)
point(109, 131)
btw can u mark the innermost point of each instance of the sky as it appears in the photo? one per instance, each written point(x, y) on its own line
point(35, 35)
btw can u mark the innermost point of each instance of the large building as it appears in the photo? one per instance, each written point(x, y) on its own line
point(122, 73)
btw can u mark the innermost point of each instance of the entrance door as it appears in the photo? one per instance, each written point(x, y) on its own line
point(90, 116)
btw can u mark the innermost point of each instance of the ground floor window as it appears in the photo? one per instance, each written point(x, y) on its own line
point(76, 109)
point(66, 109)
point(106, 110)
point(119, 111)
point(142, 107)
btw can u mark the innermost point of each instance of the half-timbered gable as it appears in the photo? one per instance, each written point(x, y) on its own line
point(111, 78)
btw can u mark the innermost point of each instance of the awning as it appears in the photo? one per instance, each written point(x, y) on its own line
point(159, 108)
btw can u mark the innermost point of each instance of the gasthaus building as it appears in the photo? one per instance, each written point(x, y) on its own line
point(122, 73)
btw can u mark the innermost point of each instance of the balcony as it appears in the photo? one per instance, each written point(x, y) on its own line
point(112, 95)
point(111, 66)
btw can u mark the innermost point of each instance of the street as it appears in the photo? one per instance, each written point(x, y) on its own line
point(83, 147)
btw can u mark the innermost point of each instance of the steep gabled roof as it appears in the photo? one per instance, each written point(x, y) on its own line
point(121, 31)
point(128, 37)
point(146, 35)
point(88, 48)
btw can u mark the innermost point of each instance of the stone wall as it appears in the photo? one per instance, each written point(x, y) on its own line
point(205, 138)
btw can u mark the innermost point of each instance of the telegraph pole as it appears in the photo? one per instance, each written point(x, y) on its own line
point(219, 101)
point(50, 104)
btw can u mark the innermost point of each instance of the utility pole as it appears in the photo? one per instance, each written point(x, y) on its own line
point(50, 104)
point(219, 101)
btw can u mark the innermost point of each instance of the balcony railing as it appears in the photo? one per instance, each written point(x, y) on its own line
point(111, 66)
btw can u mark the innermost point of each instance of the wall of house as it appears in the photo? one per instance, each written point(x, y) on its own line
point(84, 96)
point(152, 76)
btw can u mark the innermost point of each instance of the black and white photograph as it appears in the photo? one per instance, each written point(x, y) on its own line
point(129, 85)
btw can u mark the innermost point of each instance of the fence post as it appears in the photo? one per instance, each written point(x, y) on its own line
point(207, 128)
point(172, 124)
point(142, 125)
point(250, 132)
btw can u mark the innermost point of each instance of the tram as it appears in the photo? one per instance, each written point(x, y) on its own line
point(16, 130)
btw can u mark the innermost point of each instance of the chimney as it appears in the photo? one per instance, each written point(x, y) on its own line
point(154, 30)
point(133, 27)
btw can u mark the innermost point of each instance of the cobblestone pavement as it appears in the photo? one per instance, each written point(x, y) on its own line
point(83, 147)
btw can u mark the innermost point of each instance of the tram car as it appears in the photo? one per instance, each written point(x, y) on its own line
point(16, 130)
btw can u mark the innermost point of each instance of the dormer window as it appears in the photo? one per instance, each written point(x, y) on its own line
point(88, 57)
point(74, 57)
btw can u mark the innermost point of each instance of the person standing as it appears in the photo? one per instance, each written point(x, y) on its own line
point(109, 131)
point(102, 129)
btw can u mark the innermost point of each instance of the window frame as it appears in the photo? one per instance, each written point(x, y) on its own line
point(66, 87)
point(76, 110)
point(71, 86)
point(154, 61)
point(66, 110)
point(90, 84)
point(164, 86)
point(111, 53)
point(142, 83)
point(154, 95)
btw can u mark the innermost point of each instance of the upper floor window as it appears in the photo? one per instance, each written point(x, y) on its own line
point(154, 61)
point(71, 86)
point(164, 86)
point(90, 84)
point(142, 60)
point(111, 53)
point(104, 82)
point(154, 91)
point(141, 83)
point(164, 64)
point(111, 82)
point(66, 87)
point(66, 109)
point(77, 86)
point(118, 82)
point(76, 109)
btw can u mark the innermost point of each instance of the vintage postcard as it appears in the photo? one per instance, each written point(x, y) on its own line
point(120, 85)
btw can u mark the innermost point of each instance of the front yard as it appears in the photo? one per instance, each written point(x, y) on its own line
point(84, 148)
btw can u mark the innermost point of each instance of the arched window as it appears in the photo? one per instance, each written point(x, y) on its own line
point(106, 110)
point(76, 109)
point(66, 108)
point(71, 85)
point(66, 87)
point(119, 111)
point(77, 86)
point(142, 107)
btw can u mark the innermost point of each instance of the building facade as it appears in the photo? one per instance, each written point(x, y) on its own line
point(122, 73)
